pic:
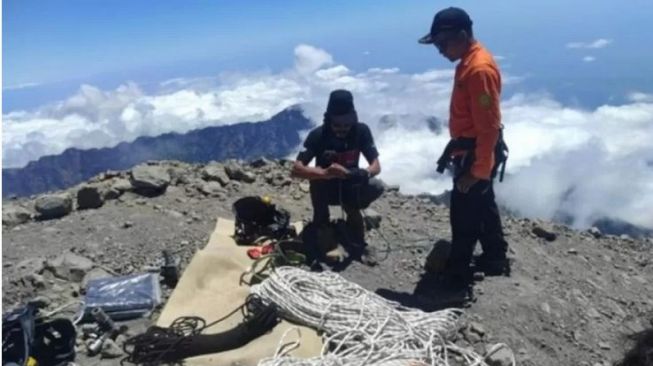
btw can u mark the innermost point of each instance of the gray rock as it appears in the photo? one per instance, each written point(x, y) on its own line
point(305, 187)
point(502, 357)
point(15, 215)
point(122, 185)
point(110, 193)
point(94, 274)
point(215, 172)
point(545, 232)
point(70, 266)
point(392, 188)
point(89, 197)
point(372, 218)
point(211, 188)
point(260, 162)
point(236, 172)
point(149, 179)
point(604, 346)
point(110, 349)
point(53, 206)
point(36, 280)
point(594, 231)
point(477, 328)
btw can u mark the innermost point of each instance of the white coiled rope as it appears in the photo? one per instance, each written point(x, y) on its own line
point(360, 327)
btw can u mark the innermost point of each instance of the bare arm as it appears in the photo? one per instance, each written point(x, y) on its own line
point(299, 170)
point(375, 168)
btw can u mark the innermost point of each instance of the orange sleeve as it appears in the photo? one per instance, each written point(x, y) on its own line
point(484, 86)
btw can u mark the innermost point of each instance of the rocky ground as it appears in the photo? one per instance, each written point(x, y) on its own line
point(571, 299)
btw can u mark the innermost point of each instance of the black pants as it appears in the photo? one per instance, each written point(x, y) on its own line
point(338, 191)
point(475, 216)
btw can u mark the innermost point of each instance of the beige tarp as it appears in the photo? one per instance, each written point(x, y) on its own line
point(209, 288)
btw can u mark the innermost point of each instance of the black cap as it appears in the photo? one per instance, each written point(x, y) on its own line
point(447, 19)
point(340, 102)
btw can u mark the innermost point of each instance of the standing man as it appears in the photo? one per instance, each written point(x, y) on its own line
point(336, 179)
point(475, 129)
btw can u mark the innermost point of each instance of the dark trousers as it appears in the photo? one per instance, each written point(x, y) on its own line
point(338, 191)
point(475, 216)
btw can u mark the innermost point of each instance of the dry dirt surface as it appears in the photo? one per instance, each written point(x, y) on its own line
point(568, 301)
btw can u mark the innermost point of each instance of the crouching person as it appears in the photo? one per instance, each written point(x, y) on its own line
point(336, 178)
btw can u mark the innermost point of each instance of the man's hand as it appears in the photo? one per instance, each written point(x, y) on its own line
point(466, 182)
point(336, 170)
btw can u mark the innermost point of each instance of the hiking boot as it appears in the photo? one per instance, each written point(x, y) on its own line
point(493, 267)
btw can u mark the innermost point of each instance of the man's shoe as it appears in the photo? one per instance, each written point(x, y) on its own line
point(492, 267)
point(368, 256)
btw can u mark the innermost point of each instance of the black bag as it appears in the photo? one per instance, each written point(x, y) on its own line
point(500, 156)
point(49, 343)
point(257, 217)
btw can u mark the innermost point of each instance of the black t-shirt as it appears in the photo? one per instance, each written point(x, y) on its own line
point(326, 148)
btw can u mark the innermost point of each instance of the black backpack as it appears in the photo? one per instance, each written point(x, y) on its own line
point(257, 217)
point(24, 336)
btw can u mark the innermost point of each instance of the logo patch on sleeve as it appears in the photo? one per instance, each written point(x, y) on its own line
point(485, 100)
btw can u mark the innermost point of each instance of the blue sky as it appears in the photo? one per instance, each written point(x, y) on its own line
point(577, 99)
point(59, 45)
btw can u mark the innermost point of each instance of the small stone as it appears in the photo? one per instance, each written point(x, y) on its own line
point(593, 313)
point(94, 274)
point(545, 307)
point(545, 232)
point(604, 346)
point(572, 251)
point(477, 328)
point(305, 187)
point(127, 224)
point(110, 349)
point(372, 218)
point(501, 357)
point(70, 266)
point(392, 188)
point(594, 231)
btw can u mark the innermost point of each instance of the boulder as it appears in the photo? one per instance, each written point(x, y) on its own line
point(89, 197)
point(15, 215)
point(53, 206)
point(149, 180)
point(216, 173)
point(212, 189)
point(236, 172)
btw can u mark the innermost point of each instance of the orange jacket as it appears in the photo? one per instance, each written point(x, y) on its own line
point(474, 110)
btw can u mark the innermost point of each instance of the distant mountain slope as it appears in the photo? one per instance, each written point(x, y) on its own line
point(274, 138)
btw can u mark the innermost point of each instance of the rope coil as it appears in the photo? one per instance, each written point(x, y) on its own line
point(358, 326)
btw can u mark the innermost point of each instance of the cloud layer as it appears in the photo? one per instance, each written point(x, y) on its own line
point(565, 163)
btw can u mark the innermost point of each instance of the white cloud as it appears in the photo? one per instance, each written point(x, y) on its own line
point(564, 162)
point(20, 86)
point(598, 43)
point(639, 97)
point(589, 59)
point(309, 58)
